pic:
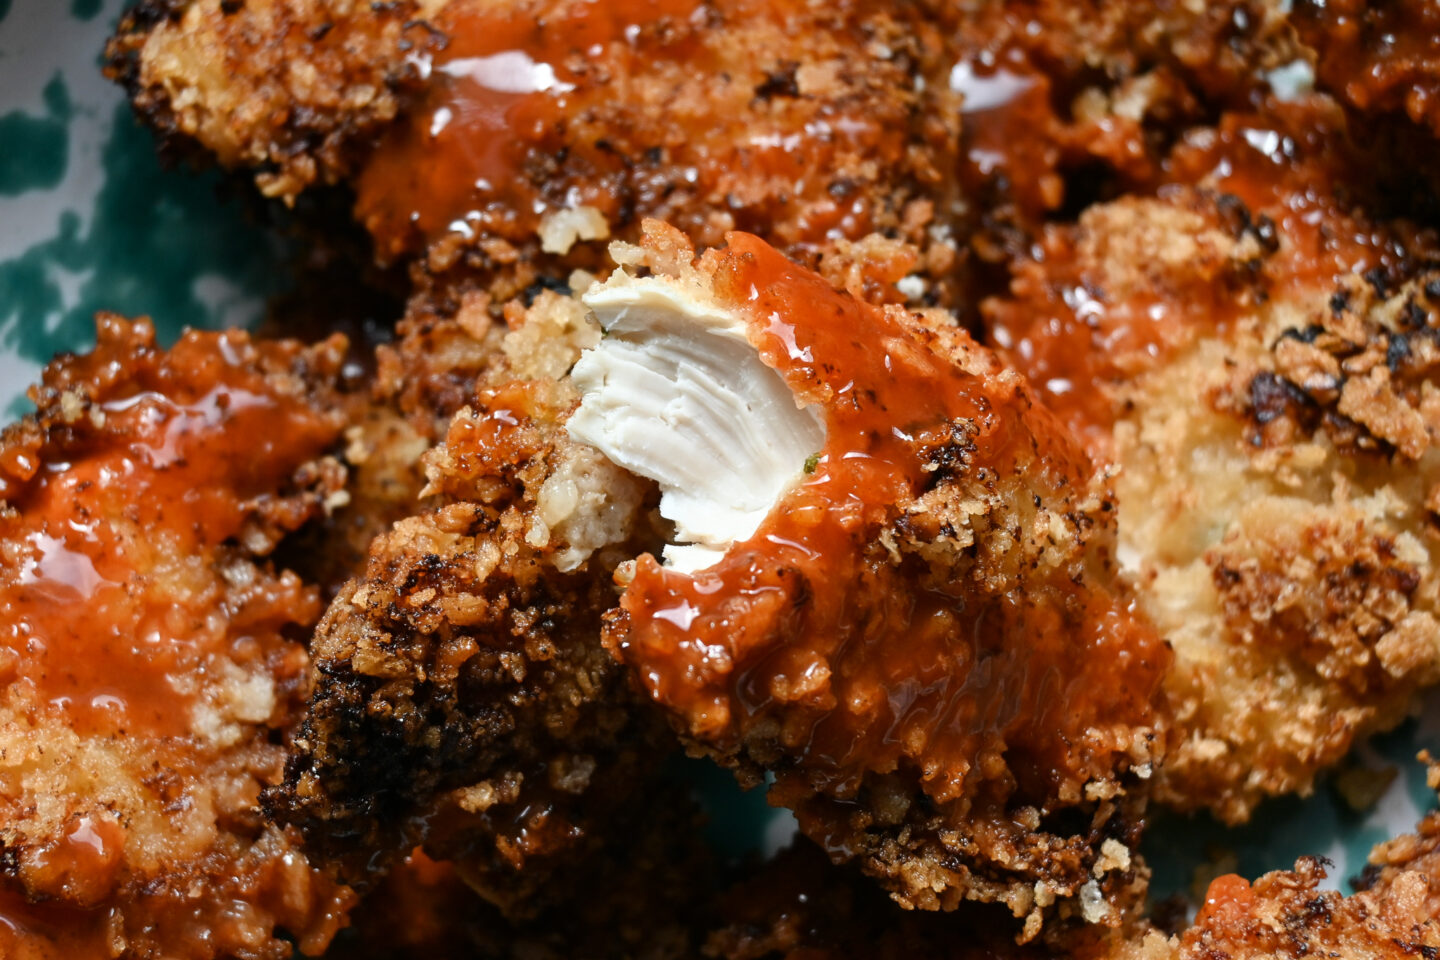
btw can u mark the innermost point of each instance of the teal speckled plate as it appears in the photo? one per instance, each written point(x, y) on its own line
point(90, 221)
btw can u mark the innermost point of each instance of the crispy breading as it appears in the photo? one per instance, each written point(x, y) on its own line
point(462, 697)
point(1273, 414)
point(800, 907)
point(149, 665)
point(1395, 911)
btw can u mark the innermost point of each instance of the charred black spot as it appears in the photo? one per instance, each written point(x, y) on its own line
point(1378, 281)
point(1339, 302)
point(1272, 396)
point(542, 283)
point(1367, 878)
point(1234, 213)
point(1413, 315)
point(231, 7)
point(1397, 351)
point(1266, 234)
point(1304, 334)
point(321, 32)
point(780, 83)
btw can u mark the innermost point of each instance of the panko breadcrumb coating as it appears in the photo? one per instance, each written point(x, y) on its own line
point(1394, 913)
point(148, 654)
point(288, 88)
point(462, 697)
point(797, 906)
point(1267, 389)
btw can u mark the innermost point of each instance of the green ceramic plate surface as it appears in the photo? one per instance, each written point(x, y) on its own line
point(89, 220)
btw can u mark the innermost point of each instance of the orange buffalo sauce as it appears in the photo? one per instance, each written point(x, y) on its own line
point(109, 605)
point(50, 931)
point(812, 628)
point(1380, 56)
point(1273, 176)
point(636, 108)
point(1228, 900)
point(500, 86)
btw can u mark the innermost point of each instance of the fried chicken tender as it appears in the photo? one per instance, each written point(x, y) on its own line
point(487, 142)
point(1259, 359)
point(148, 650)
point(289, 88)
point(466, 667)
point(797, 905)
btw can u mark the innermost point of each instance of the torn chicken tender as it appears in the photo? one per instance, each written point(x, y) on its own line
point(1259, 360)
point(147, 647)
point(675, 392)
point(921, 639)
point(463, 700)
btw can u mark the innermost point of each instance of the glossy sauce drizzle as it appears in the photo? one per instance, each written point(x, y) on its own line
point(811, 625)
point(499, 88)
point(1274, 176)
point(108, 602)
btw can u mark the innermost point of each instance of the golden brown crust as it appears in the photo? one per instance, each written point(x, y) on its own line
point(323, 90)
point(891, 670)
point(1264, 386)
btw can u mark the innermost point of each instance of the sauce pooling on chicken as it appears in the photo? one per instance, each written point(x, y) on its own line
point(1278, 223)
point(869, 656)
point(598, 111)
point(99, 623)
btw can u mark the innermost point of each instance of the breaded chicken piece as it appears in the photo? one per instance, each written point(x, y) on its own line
point(1395, 912)
point(798, 906)
point(1064, 103)
point(466, 667)
point(149, 651)
point(1285, 914)
point(289, 88)
point(1259, 360)
point(462, 697)
point(520, 131)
